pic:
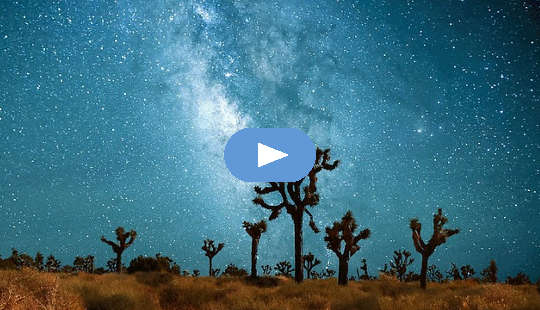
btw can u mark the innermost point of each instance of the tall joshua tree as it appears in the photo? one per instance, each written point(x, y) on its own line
point(125, 240)
point(344, 231)
point(309, 262)
point(439, 237)
point(210, 251)
point(254, 230)
point(296, 205)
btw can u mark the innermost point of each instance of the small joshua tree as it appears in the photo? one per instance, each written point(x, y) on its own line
point(467, 272)
point(267, 270)
point(439, 237)
point(490, 273)
point(284, 268)
point(344, 231)
point(453, 273)
point(399, 264)
point(434, 274)
point(309, 262)
point(328, 273)
point(52, 264)
point(196, 273)
point(210, 250)
point(364, 268)
point(290, 194)
point(254, 230)
point(38, 261)
point(125, 240)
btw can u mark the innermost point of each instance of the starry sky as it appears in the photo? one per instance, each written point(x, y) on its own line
point(117, 113)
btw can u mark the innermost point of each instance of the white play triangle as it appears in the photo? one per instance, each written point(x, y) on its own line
point(266, 155)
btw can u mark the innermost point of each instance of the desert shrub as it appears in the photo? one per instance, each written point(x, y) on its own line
point(233, 271)
point(519, 279)
point(158, 263)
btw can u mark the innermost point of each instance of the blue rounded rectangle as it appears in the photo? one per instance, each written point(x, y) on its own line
point(269, 154)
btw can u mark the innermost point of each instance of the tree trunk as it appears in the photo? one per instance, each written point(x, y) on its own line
point(343, 275)
point(298, 263)
point(254, 246)
point(118, 262)
point(308, 273)
point(210, 271)
point(423, 272)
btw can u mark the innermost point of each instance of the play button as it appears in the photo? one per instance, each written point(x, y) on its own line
point(269, 154)
point(266, 155)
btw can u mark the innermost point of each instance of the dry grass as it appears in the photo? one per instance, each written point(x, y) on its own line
point(32, 290)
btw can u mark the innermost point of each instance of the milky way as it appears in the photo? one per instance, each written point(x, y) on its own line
point(117, 113)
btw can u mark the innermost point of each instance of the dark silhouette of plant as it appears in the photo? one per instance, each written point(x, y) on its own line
point(233, 271)
point(196, 273)
point(467, 272)
point(328, 273)
point(267, 270)
point(439, 237)
point(186, 273)
point(125, 239)
point(519, 279)
point(489, 274)
point(26, 260)
point(344, 231)
point(112, 267)
point(52, 264)
point(284, 268)
point(434, 274)
point(38, 261)
point(315, 275)
point(454, 273)
point(309, 262)
point(295, 205)
point(254, 230)
point(216, 272)
point(148, 264)
point(364, 268)
point(412, 277)
point(210, 250)
point(84, 264)
point(399, 263)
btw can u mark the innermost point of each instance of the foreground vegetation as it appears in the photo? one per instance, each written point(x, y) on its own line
point(29, 289)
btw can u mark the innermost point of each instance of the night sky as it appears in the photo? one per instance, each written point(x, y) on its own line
point(117, 113)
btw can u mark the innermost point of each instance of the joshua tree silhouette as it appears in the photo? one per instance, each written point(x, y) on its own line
point(364, 268)
point(490, 273)
point(267, 270)
point(399, 263)
point(467, 272)
point(123, 243)
point(439, 237)
point(210, 251)
point(38, 261)
point(295, 205)
point(254, 230)
point(284, 268)
point(309, 262)
point(344, 231)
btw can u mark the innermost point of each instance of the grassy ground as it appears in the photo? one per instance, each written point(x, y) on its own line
point(32, 290)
